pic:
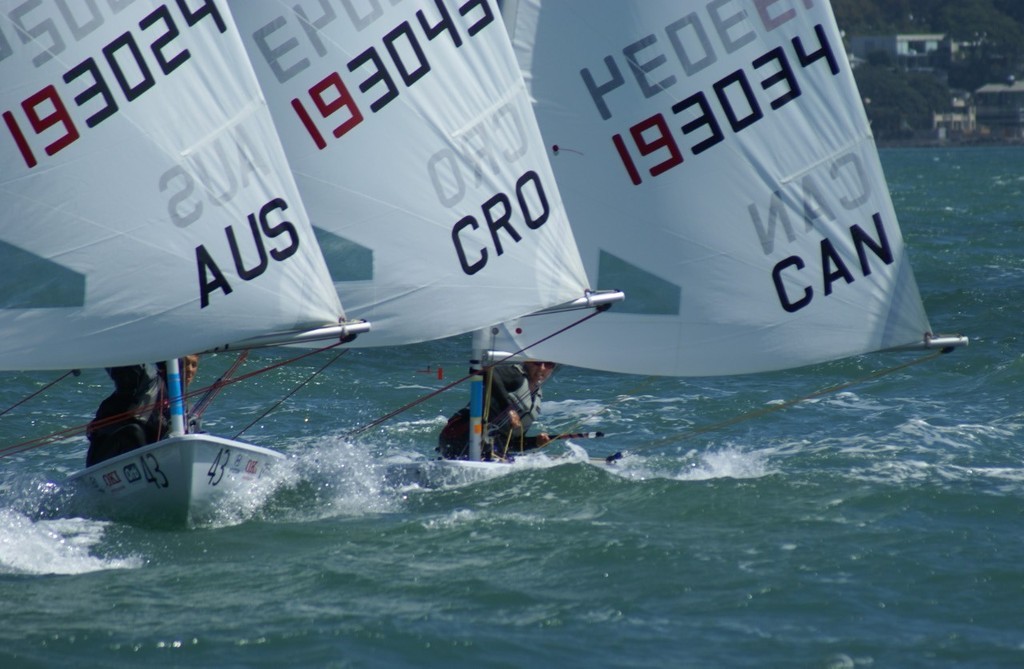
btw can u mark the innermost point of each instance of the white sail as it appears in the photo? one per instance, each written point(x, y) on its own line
point(717, 165)
point(148, 207)
point(415, 148)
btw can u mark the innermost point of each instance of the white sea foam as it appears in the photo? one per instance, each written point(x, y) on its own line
point(954, 436)
point(726, 462)
point(334, 477)
point(61, 546)
point(409, 472)
point(729, 462)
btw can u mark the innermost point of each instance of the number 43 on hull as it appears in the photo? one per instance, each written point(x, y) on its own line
point(187, 480)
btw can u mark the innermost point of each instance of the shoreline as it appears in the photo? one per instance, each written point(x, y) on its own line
point(933, 143)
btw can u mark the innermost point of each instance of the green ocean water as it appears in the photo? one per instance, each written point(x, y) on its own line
point(878, 526)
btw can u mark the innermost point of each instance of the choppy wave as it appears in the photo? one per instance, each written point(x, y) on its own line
point(59, 546)
point(328, 477)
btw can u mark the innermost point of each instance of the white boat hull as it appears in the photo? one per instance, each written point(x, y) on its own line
point(184, 480)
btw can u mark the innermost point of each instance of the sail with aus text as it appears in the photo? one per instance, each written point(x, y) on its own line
point(717, 165)
point(417, 154)
point(149, 211)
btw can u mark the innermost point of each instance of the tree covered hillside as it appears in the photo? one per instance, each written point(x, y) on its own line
point(989, 38)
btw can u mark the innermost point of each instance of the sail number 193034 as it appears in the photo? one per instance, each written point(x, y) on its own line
point(653, 138)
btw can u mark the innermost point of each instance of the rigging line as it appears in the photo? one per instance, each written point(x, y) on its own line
point(76, 429)
point(451, 385)
point(283, 363)
point(41, 441)
point(487, 399)
point(96, 423)
point(568, 327)
point(41, 390)
point(788, 403)
point(408, 406)
point(575, 425)
point(71, 431)
point(293, 391)
point(579, 422)
point(218, 385)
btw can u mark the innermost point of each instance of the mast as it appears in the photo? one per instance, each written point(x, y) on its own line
point(174, 396)
point(476, 395)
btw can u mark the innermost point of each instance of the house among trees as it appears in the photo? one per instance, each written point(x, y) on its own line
point(909, 52)
point(904, 80)
point(938, 70)
point(958, 122)
point(1000, 110)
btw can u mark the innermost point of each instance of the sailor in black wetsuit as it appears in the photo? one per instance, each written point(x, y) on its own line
point(136, 413)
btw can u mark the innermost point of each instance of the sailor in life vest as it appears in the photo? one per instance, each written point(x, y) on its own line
point(136, 413)
point(514, 404)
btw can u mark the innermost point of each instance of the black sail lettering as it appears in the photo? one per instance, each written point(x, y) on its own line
point(467, 267)
point(502, 220)
point(780, 289)
point(261, 266)
point(422, 67)
point(532, 221)
point(880, 248)
point(830, 258)
point(282, 228)
point(722, 87)
point(210, 277)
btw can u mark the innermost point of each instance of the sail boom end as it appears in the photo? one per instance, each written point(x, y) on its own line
point(342, 332)
point(945, 343)
point(598, 299)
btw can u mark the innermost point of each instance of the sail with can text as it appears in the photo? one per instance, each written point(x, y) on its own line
point(718, 167)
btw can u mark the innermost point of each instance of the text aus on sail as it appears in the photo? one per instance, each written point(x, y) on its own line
point(57, 117)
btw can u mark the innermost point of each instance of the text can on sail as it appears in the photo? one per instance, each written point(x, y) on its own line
point(723, 175)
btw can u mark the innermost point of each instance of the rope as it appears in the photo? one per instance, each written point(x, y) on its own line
point(574, 426)
point(424, 398)
point(508, 443)
point(406, 407)
point(487, 397)
point(568, 327)
point(712, 427)
point(41, 441)
point(688, 434)
point(200, 407)
point(41, 390)
point(80, 429)
point(293, 391)
point(72, 431)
